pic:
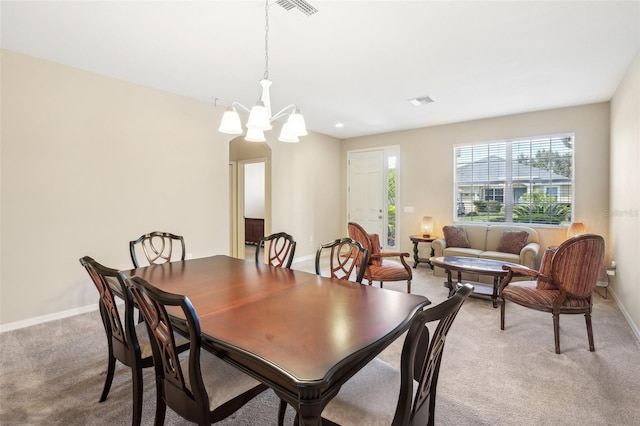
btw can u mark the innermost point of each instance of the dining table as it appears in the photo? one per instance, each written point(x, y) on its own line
point(301, 334)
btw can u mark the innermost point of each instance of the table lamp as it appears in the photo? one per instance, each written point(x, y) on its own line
point(426, 226)
point(576, 228)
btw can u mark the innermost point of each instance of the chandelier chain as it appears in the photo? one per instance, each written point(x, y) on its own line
point(266, 40)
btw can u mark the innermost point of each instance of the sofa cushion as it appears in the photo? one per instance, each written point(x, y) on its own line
point(512, 241)
point(456, 236)
point(461, 251)
point(501, 256)
point(494, 234)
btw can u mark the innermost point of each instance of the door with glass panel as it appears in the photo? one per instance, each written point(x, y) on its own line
point(372, 186)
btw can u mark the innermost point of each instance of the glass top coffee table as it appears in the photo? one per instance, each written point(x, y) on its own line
point(474, 265)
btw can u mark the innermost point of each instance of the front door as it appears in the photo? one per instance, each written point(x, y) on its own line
point(367, 189)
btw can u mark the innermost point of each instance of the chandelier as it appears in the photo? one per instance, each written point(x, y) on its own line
point(260, 117)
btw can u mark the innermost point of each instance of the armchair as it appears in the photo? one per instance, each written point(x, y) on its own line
point(564, 285)
point(381, 265)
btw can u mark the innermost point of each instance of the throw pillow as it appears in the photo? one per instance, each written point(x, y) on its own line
point(375, 249)
point(544, 281)
point(512, 241)
point(456, 236)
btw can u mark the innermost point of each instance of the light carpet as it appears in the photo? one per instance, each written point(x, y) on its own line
point(53, 373)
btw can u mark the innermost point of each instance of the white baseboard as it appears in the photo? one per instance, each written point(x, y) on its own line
point(47, 318)
point(304, 258)
point(625, 314)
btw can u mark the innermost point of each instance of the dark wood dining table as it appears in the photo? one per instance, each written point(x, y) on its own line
point(301, 334)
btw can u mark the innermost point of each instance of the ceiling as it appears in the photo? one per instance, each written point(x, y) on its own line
point(353, 62)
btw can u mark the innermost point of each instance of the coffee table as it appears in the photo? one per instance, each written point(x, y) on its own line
point(474, 265)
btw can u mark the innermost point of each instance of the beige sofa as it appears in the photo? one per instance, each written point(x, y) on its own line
point(484, 241)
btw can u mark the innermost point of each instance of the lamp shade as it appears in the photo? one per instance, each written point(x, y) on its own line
point(576, 228)
point(230, 123)
point(297, 125)
point(259, 117)
point(286, 135)
point(255, 135)
point(426, 226)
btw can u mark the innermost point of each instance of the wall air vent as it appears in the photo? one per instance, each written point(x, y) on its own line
point(301, 5)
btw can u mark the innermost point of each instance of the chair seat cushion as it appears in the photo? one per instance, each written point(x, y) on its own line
point(389, 270)
point(222, 380)
point(145, 345)
point(526, 293)
point(369, 398)
point(143, 340)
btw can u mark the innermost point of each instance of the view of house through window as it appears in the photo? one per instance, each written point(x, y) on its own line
point(525, 181)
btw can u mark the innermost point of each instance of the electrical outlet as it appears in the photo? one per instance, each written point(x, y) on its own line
point(311, 238)
point(613, 263)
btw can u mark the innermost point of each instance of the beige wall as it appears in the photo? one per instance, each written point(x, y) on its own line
point(426, 164)
point(90, 162)
point(624, 215)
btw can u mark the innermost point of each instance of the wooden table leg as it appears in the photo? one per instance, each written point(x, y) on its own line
point(449, 283)
point(494, 296)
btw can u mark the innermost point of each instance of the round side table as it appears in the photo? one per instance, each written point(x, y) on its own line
point(417, 239)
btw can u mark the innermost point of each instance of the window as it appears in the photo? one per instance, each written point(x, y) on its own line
point(524, 181)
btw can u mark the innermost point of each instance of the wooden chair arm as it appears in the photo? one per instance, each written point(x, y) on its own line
point(522, 270)
point(389, 254)
point(517, 270)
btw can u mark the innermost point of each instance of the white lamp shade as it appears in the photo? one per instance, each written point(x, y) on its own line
point(259, 117)
point(426, 226)
point(296, 124)
point(286, 135)
point(230, 123)
point(255, 135)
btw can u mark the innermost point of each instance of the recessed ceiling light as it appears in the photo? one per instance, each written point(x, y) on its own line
point(421, 100)
point(339, 125)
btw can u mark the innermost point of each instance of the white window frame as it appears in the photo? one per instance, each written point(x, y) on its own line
point(482, 166)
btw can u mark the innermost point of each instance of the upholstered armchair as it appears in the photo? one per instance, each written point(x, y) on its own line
point(564, 285)
point(382, 266)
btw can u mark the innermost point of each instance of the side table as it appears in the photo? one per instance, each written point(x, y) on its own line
point(417, 239)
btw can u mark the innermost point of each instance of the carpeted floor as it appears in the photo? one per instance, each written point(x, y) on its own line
point(52, 374)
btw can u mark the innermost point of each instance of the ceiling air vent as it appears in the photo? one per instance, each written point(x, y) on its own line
point(301, 5)
point(423, 100)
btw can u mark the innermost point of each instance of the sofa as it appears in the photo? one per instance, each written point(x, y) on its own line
point(486, 241)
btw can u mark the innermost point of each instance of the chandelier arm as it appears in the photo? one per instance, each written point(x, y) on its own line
point(283, 112)
point(238, 104)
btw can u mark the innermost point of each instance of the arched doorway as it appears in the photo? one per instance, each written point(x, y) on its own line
point(250, 193)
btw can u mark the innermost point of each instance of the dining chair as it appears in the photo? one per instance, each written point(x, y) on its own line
point(281, 248)
point(345, 258)
point(157, 248)
point(382, 266)
point(565, 284)
point(196, 384)
point(367, 397)
point(127, 342)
